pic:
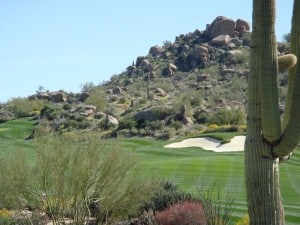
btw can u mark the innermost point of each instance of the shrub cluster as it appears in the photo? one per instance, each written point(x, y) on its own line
point(166, 196)
point(76, 177)
point(183, 213)
point(22, 107)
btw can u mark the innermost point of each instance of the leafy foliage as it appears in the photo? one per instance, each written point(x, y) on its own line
point(23, 107)
point(72, 173)
point(96, 98)
point(165, 197)
point(183, 213)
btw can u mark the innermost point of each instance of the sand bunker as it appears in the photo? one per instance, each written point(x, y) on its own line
point(236, 144)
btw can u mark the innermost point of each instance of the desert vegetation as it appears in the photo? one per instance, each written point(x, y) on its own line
point(98, 156)
point(30, 170)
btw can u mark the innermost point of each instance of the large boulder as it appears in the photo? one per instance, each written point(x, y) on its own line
point(139, 60)
point(242, 25)
point(221, 40)
point(153, 113)
point(199, 52)
point(145, 65)
point(118, 90)
point(182, 115)
point(221, 26)
point(169, 70)
point(156, 50)
point(57, 96)
point(160, 92)
point(111, 120)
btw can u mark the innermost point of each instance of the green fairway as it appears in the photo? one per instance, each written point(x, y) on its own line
point(189, 168)
point(13, 136)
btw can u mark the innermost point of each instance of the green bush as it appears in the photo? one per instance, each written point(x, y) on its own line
point(96, 98)
point(225, 128)
point(244, 220)
point(23, 107)
point(183, 213)
point(71, 173)
point(232, 116)
point(50, 111)
point(166, 195)
point(218, 208)
point(127, 123)
point(7, 221)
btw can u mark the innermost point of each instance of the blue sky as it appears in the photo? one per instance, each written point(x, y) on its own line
point(62, 44)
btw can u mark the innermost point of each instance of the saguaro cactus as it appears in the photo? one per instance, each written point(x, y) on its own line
point(268, 138)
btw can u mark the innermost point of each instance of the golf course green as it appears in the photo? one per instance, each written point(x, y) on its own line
point(189, 168)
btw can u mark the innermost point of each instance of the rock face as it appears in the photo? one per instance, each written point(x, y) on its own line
point(156, 50)
point(226, 26)
point(160, 92)
point(83, 96)
point(144, 64)
point(118, 90)
point(221, 40)
point(221, 26)
point(169, 70)
point(53, 96)
point(242, 25)
point(182, 116)
point(112, 120)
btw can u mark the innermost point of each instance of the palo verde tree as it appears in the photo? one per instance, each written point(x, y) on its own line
point(270, 139)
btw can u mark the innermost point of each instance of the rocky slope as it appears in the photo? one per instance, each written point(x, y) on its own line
point(178, 88)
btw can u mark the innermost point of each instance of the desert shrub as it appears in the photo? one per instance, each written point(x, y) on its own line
point(168, 132)
point(201, 117)
point(239, 58)
point(14, 178)
point(218, 209)
point(127, 123)
point(7, 221)
point(243, 128)
point(166, 195)
point(51, 111)
point(122, 100)
point(243, 221)
point(84, 124)
point(175, 124)
point(224, 128)
point(72, 172)
point(4, 213)
point(183, 213)
point(213, 126)
point(162, 111)
point(23, 107)
point(5, 114)
point(233, 116)
point(96, 98)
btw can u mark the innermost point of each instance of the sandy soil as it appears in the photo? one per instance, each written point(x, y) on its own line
point(236, 144)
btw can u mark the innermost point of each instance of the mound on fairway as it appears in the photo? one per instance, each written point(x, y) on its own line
point(207, 143)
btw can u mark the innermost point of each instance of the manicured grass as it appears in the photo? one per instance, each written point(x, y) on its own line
point(13, 136)
point(189, 168)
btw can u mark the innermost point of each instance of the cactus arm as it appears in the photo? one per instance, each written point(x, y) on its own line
point(270, 114)
point(291, 123)
point(286, 62)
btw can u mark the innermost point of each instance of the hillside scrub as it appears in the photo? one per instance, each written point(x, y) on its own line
point(23, 107)
point(75, 177)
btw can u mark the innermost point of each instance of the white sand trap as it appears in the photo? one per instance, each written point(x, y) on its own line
point(236, 144)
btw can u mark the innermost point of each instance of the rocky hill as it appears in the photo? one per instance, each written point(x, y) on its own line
point(181, 87)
